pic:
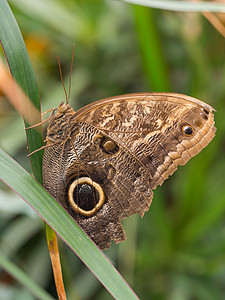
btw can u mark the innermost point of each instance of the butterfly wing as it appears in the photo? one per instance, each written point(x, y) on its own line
point(126, 146)
point(151, 127)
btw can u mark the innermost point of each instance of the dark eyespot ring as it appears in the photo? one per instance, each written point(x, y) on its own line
point(187, 130)
point(82, 188)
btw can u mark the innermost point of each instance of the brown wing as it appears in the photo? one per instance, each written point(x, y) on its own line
point(126, 145)
point(150, 128)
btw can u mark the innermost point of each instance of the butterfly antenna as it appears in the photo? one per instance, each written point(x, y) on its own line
point(71, 66)
point(60, 71)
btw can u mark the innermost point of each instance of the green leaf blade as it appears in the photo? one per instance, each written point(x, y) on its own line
point(21, 69)
point(57, 218)
point(185, 6)
point(23, 278)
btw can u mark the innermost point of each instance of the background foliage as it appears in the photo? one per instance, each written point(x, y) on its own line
point(177, 251)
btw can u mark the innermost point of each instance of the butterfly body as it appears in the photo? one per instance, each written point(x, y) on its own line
point(103, 161)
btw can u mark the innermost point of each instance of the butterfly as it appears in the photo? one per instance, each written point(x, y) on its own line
point(102, 162)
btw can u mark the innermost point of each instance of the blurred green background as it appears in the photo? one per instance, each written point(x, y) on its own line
point(177, 251)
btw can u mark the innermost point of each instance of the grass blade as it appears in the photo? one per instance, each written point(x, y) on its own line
point(152, 57)
point(57, 218)
point(26, 87)
point(25, 280)
point(186, 6)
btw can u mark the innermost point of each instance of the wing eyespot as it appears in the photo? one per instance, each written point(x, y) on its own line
point(106, 144)
point(85, 196)
point(109, 146)
point(187, 130)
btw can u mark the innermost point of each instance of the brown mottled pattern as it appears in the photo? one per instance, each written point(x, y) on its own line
point(148, 131)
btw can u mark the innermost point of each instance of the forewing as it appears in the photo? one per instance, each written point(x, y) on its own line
point(149, 128)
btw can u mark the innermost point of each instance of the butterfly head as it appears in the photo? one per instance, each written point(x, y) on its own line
point(63, 108)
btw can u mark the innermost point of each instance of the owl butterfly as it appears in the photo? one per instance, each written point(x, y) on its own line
point(103, 161)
